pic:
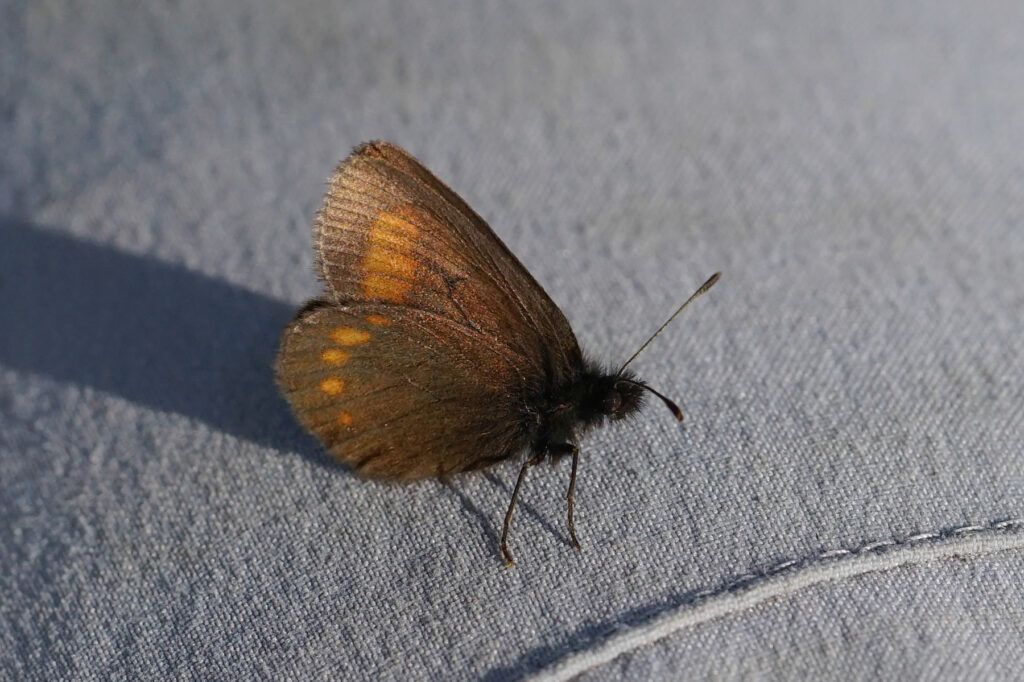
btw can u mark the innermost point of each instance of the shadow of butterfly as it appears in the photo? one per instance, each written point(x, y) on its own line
point(433, 351)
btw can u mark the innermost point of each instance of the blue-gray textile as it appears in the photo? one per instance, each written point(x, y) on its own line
point(845, 499)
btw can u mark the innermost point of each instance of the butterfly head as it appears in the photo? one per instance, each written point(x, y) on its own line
point(626, 397)
point(605, 395)
point(620, 398)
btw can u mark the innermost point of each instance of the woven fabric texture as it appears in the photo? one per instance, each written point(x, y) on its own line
point(854, 169)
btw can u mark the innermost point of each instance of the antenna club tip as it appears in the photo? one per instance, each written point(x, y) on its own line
point(677, 411)
point(703, 288)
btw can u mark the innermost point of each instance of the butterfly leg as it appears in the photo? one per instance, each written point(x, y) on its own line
point(507, 555)
point(571, 497)
point(559, 449)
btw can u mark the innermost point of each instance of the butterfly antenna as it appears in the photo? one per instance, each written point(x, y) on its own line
point(703, 289)
point(670, 404)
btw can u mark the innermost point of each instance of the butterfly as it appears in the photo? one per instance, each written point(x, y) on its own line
point(433, 351)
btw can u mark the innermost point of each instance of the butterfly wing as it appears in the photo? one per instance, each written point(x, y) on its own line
point(465, 333)
point(390, 232)
point(399, 396)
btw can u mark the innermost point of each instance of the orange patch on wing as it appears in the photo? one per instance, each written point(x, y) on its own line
point(334, 356)
point(388, 266)
point(344, 418)
point(384, 288)
point(332, 386)
point(388, 262)
point(350, 336)
point(378, 320)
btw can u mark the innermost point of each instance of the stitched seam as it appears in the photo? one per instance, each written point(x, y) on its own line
point(874, 547)
point(756, 577)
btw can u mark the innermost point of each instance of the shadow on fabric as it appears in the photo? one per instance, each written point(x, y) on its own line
point(156, 334)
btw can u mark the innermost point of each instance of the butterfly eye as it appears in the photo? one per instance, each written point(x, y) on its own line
point(612, 403)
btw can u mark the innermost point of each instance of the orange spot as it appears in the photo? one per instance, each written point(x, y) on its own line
point(334, 356)
point(384, 288)
point(388, 262)
point(344, 418)
point(388, 266)
point(350, 336)
point(332, 386)
point(401, 221)
point(378, 320)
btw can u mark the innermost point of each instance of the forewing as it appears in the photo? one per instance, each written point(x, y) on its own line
point(390, 232)
point(400, 393)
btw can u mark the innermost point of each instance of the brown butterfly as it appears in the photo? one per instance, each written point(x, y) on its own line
point(433, 350)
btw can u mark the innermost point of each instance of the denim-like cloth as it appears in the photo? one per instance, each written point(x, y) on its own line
point(853, 386)
point(960, 619)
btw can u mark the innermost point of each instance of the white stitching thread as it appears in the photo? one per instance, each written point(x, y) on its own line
point(782, 567)
point(749, 584)
point(867, 548)
point(963, 530)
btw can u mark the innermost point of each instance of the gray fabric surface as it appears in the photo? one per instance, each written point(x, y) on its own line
point(853, 168)
point(956, 619)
